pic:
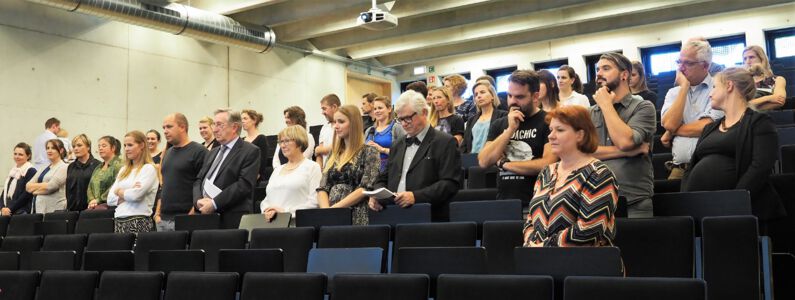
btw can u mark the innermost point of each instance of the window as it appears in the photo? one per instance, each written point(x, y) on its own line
point(501, 77)
point(551, 66)
point(660, 59)
point(728, 51)
point(780, 43)
point(590, 64)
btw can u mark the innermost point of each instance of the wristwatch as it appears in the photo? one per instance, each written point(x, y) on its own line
point(501, 163)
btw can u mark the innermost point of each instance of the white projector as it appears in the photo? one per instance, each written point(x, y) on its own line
point(376, 19)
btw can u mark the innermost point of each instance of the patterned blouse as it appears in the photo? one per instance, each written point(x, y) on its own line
point(579, 213)
point(101, 180)
point(360, 172)
point(466, 110)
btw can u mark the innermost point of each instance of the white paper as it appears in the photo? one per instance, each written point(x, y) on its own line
point(210, 189)
point(382, 193)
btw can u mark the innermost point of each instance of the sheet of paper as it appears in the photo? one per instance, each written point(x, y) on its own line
point(210, 189)
point(382, 193)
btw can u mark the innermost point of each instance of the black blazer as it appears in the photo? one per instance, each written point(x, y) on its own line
point(434, 174)
point(236, 178)
point(755, 155)
point(466, 146)
point(21, 200)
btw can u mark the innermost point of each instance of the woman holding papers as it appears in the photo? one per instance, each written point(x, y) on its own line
point(352, 167)
point(293, 185)
point(135, 188)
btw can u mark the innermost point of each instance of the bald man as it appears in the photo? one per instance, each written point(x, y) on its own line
point(180, 168)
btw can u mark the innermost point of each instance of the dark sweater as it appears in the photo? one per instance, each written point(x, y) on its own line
point(180, 169)
point(78, 175)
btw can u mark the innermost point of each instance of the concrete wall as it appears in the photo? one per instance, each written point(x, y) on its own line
point(751, 22)
point(103, 77)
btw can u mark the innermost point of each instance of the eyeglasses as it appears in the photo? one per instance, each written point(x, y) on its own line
point(407, 119)
point(219, 124)
point(285, 141)
point(689, 64)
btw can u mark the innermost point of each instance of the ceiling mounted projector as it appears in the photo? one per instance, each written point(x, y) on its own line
point(376, 19)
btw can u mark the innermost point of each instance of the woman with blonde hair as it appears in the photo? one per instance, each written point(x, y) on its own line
point(738, 151)
point(771, 90)
point(385, 131)
point(442, 116)
point(457, 85)
point(78, 174)
point(293, 185)
point(477, 127)
point(135, 188)
point(352, 167)
point(206, 131)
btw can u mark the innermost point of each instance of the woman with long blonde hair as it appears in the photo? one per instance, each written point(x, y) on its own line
point(352, 167)
point(133, 193)
point(771, 92)
point(442, 116)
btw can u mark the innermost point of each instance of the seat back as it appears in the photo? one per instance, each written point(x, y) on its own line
point(381, 286)
point(24, 245)
point(730, 247)
point(434, 261)
point(586, 261)
point(506, 287)
point(473, 194)
point(295, 243)
point(19, 285)
point(482, 211)
point(162, 240)
point(243, 261)
point(283, 286)
point(66, 242)
point(252, 221)
point(214, 286)
point(4, 225)
point(482, 178)
point(70, 216)
point(459, 234)
point(52, 227)
point(67, 285)
point(110, 241)
point(21, 225)
point(167, 261)
point(331, 261)
point(97, 214)
point(499, 239)
point(702, 204)
point(317, 217)
point(190, 223)
point(356, 236)
point(53, 260)
point(582, 288)
point(114, 285)
point(9, 260)
point(393, 215)
point(113, 260)
point(95, 225)
point(213, 240)
point(656, 247)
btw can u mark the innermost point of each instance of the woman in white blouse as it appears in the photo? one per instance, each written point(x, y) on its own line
point(133, 192)
point(293, 185)
point(571, 87)
point(48, 185)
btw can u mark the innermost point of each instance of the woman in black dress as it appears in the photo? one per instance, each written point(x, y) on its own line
point(251, 120)
point(737, 151)
point(637, 83)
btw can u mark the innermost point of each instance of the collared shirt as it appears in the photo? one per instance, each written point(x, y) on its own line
point(633, 174)
point(225, 150)
point(408, 156)
point(696, 107)
point(326, 138)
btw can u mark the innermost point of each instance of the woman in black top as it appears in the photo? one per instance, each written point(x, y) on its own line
point(486, 101)
point(78, 174)
point(737, 151)
point(443, 117)
point(637, 83)
point(251, 120)
point(153, 144)
point(14, 199)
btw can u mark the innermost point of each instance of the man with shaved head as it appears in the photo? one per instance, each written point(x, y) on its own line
point(180, 168)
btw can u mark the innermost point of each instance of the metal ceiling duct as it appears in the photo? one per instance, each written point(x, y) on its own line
point(174, 18)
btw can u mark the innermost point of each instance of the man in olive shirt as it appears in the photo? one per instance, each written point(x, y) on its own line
point(625, 125)
point(180, 169)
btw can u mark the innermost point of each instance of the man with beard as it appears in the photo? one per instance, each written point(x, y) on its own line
point(687, 110)
point(625, 124)
point(517, 143)
point(328, 106)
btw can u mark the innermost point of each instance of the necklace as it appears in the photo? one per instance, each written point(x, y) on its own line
point(725, 128)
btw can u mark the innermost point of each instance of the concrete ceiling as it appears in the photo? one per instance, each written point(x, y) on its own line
point(432, 29)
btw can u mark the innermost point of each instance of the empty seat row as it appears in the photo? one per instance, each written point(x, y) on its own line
point(84, 285)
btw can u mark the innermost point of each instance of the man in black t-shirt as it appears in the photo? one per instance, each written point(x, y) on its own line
point(180, 168)
point(517, 143)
